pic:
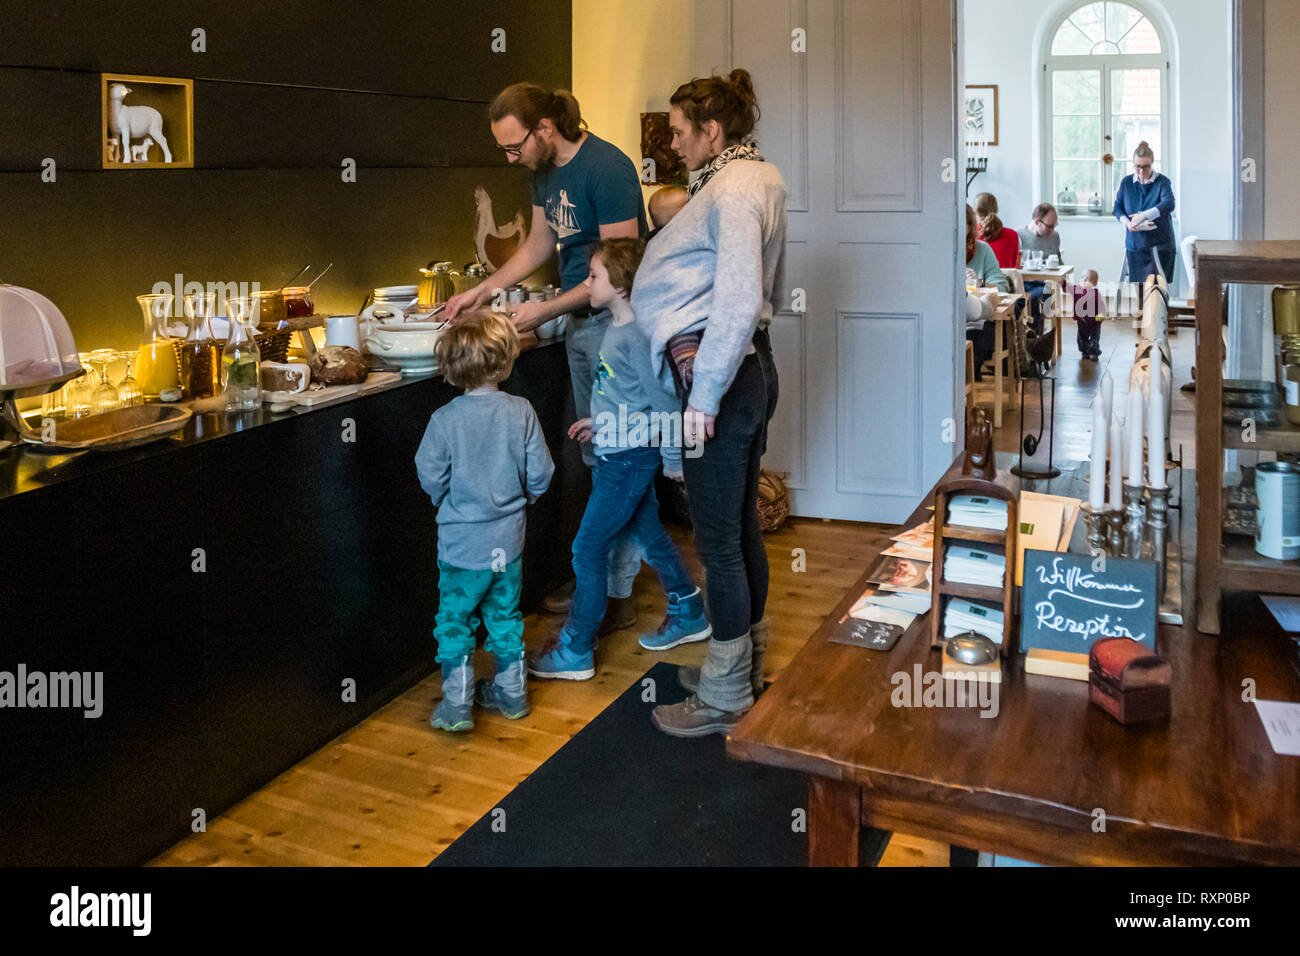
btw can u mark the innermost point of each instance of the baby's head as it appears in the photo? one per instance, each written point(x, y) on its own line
point(480, 351)
point(1090, 278)
point(613, 266)
point(666, 203)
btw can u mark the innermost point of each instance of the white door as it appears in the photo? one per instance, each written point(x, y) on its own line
point(862, 125)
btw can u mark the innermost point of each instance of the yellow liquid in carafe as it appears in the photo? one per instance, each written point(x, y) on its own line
point(156, 368)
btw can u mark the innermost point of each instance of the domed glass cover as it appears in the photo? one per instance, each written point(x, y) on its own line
point(37, 351)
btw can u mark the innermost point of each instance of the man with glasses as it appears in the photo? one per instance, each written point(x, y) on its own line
point(584, 190)
point(1145, 205)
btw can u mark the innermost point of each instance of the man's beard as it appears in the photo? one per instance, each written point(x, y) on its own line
point(545, 161)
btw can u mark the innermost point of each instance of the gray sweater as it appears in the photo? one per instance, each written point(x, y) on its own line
point(482, 460)
point(1047, 245)
point(717, 267)
point(629, 407)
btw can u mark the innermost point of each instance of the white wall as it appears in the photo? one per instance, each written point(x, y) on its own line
point(1003, 44)
point(628, 58)
point(1281, 120)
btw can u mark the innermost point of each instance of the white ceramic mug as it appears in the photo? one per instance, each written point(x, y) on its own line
point(343, 330)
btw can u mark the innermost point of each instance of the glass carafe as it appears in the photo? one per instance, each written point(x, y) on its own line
point(200, 354)
point(156, 366)
point(240, 359)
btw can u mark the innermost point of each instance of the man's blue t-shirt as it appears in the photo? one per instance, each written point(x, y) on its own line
point(599, 186)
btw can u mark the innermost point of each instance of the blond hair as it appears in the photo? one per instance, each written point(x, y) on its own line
point(480, 351)
point(1144, 150)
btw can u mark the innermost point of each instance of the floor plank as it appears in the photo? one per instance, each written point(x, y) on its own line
point(392, 792)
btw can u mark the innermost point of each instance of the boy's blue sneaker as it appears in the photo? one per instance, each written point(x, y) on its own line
point(560, 661)
point(455, 712)
point(685, 622)
point(507, 692)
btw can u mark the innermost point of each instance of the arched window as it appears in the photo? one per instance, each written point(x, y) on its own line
point(1106, 88)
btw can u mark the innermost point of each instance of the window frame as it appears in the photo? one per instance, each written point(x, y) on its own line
point(1105, 64)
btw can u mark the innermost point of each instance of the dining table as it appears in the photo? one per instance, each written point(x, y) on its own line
point(1058, 277)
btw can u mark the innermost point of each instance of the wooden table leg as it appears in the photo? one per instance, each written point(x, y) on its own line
point(834, 822)
point(997, 372)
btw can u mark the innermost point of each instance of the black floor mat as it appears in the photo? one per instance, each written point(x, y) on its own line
point(621, 793)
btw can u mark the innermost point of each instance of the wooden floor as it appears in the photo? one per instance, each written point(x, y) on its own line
point(393, 792)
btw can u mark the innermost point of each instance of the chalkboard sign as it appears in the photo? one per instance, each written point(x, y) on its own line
point(1067, 606)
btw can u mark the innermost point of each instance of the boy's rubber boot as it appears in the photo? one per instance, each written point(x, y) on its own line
point(455, 712)
point(507, 692)
point(689, 677)
point(685, 622)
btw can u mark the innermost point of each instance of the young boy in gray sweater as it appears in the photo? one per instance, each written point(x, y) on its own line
point(483, 460)
point(634, 424)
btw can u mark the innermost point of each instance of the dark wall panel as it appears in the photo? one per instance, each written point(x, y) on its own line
point(284, 94)
point(423, 47)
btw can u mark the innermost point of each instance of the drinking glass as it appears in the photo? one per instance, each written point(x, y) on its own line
point(104, 398)
point(128, 390)
point(81, 389)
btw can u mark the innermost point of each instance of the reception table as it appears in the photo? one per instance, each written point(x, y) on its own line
point(1050, 778)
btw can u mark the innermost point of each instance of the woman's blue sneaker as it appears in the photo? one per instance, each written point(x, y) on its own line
point(560, 661)
point(685, 622)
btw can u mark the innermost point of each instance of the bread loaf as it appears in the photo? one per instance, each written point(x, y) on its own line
point(338, 365)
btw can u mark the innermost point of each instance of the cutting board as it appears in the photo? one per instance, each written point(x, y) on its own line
point(280, 401)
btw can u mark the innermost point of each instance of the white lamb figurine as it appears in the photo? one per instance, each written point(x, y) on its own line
point(135, 122)
point(140, 153)
point(1154, 334)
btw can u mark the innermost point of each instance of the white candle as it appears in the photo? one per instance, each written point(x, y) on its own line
point(1116, 455)
point(1107, 396)
point(1097, 476)
point(1133, 427)
point(1156, 423)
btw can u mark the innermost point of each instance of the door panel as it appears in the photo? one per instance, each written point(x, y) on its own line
point(860, 125)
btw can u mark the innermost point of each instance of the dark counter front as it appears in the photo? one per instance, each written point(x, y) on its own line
point(229, 583)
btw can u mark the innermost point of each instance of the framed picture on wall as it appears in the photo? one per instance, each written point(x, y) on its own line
point(146, 122)
point(982, 114)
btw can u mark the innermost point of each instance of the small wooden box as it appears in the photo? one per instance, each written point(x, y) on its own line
point(1127, 681)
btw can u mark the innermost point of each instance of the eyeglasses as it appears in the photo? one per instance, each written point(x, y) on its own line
point(517, 148)
point(1142, 167)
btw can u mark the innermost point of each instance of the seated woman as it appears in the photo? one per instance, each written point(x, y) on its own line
point(1004, 242)
point(981, 270)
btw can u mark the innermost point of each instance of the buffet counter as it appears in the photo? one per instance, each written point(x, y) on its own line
point(248, 589)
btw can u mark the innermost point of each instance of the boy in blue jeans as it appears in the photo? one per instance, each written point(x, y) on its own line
point(483, 460)
point(628, 412)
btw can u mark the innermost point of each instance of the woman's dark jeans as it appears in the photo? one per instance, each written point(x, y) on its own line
point(722, 487)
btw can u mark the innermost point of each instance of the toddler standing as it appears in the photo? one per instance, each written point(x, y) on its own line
point(1087, 316)
point(483, 459)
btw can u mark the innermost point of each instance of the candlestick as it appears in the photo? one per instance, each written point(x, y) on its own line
point(1135, 520)
point(1156, 422)
point(1115, 526)
point(1158, 518)
point(1133, 436)
point(1094, 519)
point(1116, 456)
